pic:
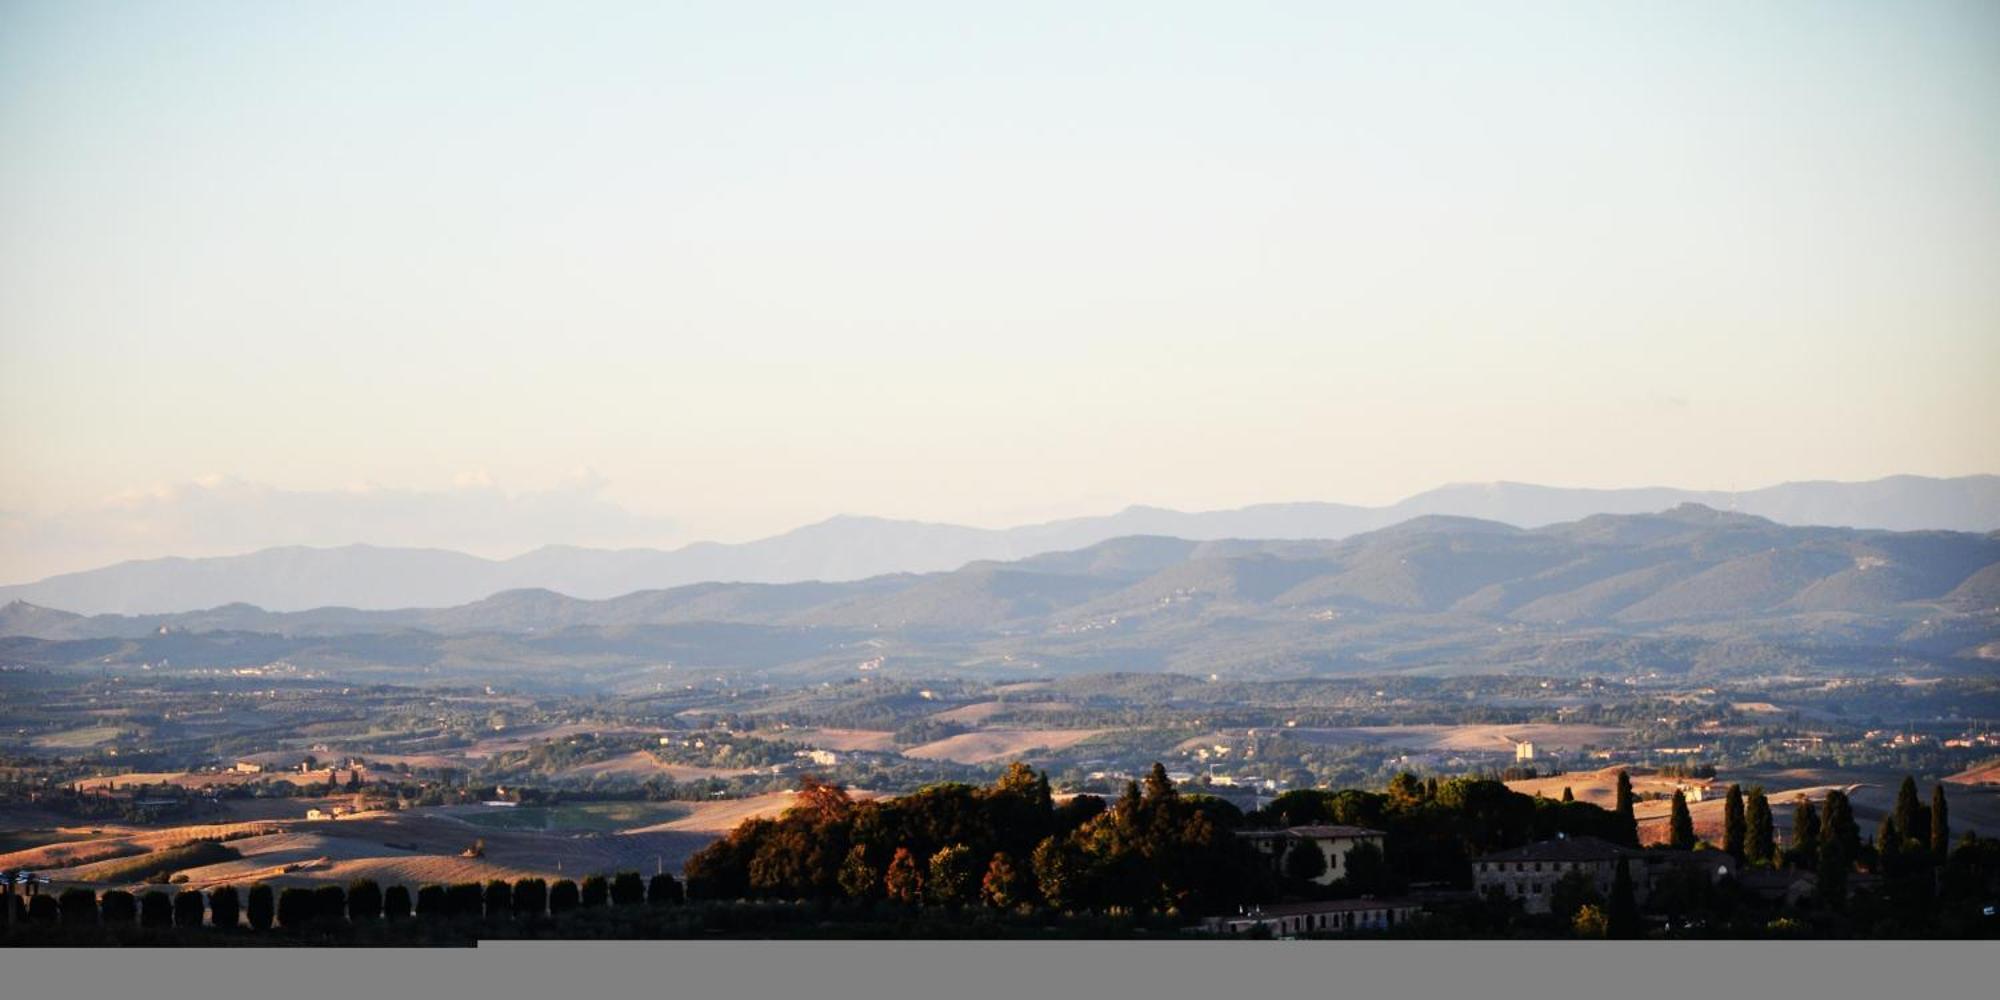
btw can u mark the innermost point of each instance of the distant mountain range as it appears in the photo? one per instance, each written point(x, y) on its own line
point(856, 548)
point(1691, 589)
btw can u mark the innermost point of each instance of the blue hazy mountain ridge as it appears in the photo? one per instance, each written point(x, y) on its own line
point(850, 548)
point(1691, 584)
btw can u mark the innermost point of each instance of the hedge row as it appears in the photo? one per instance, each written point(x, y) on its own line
point(361, 901)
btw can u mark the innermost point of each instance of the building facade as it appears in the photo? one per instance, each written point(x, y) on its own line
point(1333, 843)
point(1334, 916)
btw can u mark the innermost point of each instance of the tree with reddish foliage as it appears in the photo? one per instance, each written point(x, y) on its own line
point(903, 883)
point(1004, 887)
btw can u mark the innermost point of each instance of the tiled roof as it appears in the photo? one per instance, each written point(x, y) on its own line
point(1563, 849)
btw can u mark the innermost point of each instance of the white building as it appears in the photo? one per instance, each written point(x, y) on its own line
point(1333, 916)
point(1333, 842)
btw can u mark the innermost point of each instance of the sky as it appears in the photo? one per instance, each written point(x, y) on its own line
point(488, 275)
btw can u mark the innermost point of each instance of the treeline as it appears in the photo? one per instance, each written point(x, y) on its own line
point(332, 909)
point(1006, 846)
point(1436, 827)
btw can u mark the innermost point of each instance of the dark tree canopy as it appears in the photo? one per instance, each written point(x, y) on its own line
point(1628, 822)
point(396, 902)
point(1940, 832)
point(223, 906)
point(1735, 828)
point(189, 908)
point(156, 909)
point(1680, 826)
point(260, 908)
point(1761, 847)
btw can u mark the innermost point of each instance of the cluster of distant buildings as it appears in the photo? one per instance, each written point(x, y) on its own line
point(1528, 875)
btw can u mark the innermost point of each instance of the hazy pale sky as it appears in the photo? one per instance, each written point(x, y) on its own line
point(501, 274)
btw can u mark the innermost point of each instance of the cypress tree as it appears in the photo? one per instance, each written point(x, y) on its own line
point(433, 903)
point(1837, 826)
point(596, 892)
point(562, 896)
point(156, 909)
point(78, 907)
point(1762, 848)
point(223, 907)
point(189, 908)
point(499, 899)
point(1888, 847)
point(1833, 868)
point(1622, 910)
point(1734, 826)
point(1628, 824)
point(1568, 796)
point(260, 908)
point(531, 898)
point(295, 908)
point(396, 902)
point(43, 910)
point(627, 889)
point(330, 904)
point(1910, 821)
point(1680, 827)
point(118, 908)
point(1805, 832)
point(663, 890)
point(1940, 825)
point(364, 900)
point(464, 899)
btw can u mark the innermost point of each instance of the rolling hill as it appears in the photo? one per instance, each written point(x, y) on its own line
point(845, 549)
point(1690, 588)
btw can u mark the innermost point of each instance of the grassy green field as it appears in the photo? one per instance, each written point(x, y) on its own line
point(77, 739)
point(583, 817)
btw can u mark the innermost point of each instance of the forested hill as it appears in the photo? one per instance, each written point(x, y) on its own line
point(1690, 586)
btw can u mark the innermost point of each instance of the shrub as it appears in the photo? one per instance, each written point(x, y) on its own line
point(663, 890)
point(396, 902)
point(433, 903)
point(596, 891)
point(222, 907)
point(78, 906)
point(364, 900)
point(295, 907)
point(531, 898)
point(189, 908)
point(118, 908)
point(627, 889)
point(42, 909)
point(156, 909)
point(562, 896)
point(260, 909)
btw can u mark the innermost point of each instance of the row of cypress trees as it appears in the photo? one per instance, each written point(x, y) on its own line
point(328, 906)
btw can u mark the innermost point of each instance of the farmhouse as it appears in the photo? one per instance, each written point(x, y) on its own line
point(1331, 841)
point(1529, 873)
point(1332, 916)
point(247, 767)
